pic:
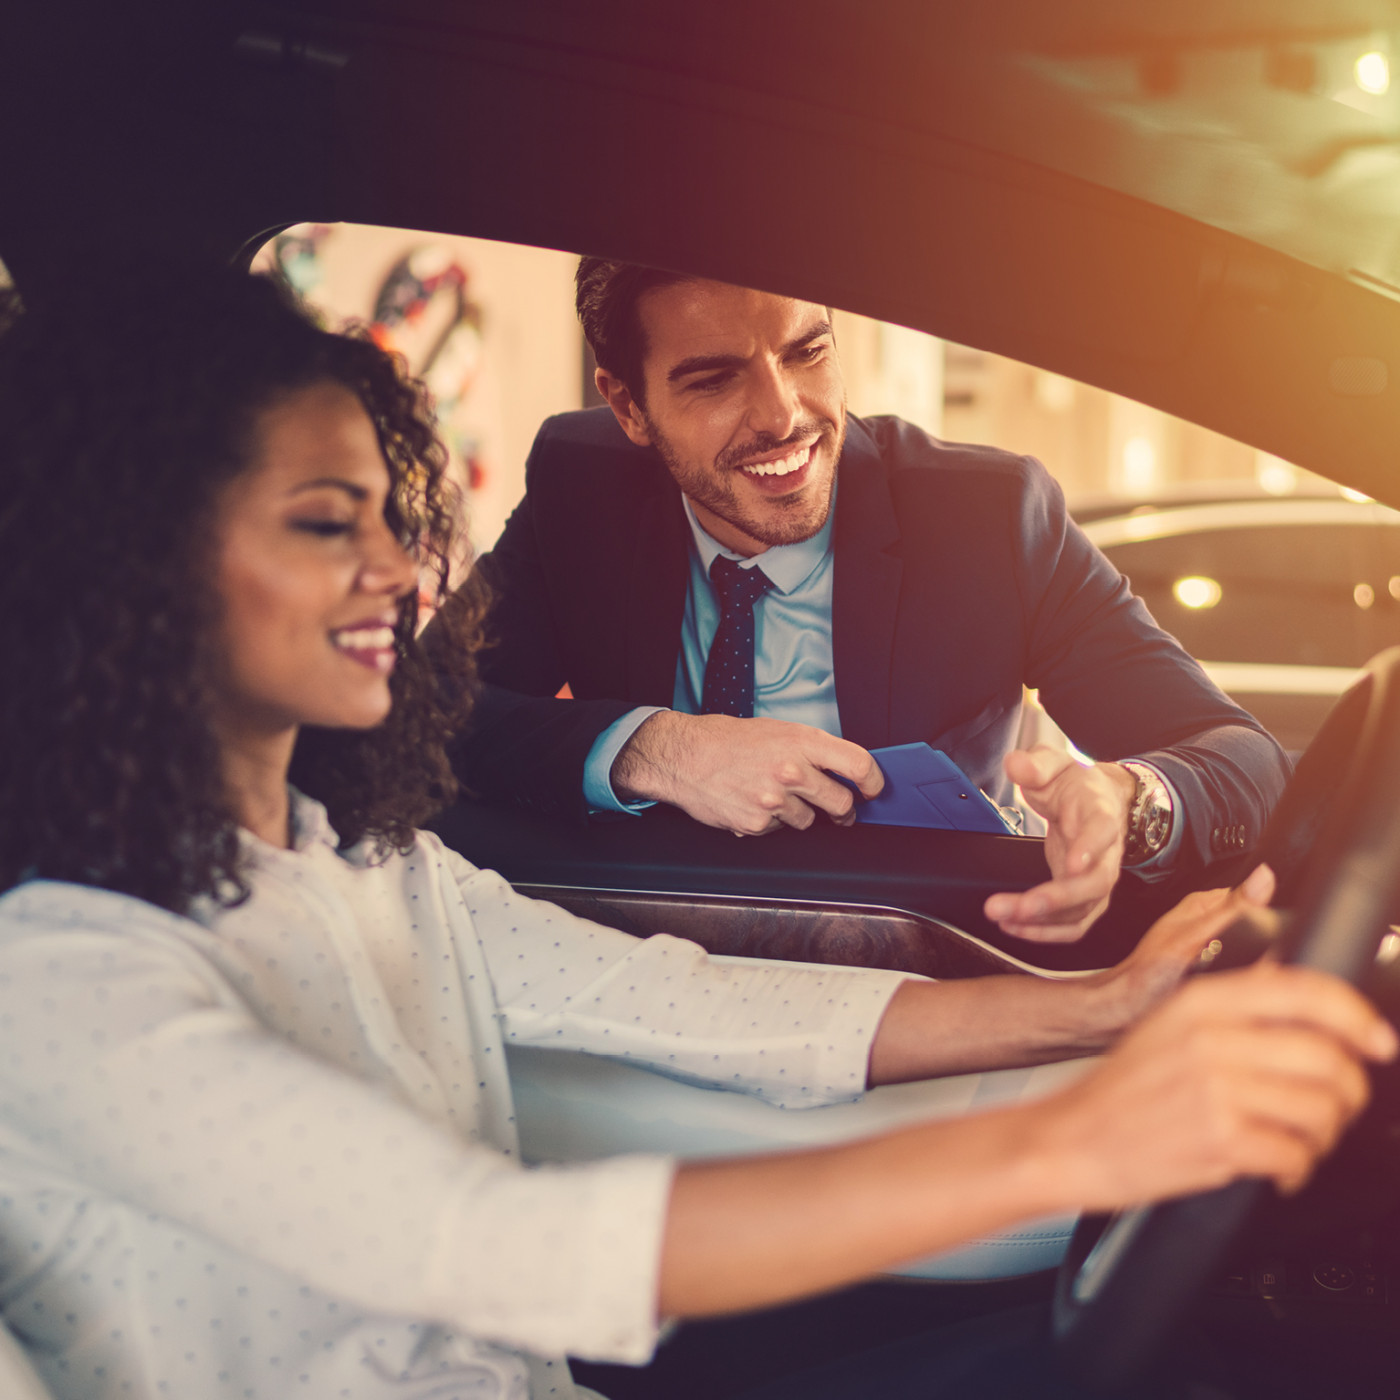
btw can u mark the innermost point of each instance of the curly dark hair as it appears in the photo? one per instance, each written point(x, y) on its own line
point(121, 420)
point(606, 294)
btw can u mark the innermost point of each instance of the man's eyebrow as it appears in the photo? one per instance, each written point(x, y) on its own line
point(820, 329)
point(352, 489)
point(697, 364)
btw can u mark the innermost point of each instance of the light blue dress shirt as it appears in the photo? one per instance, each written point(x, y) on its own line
point(794, 677)
point(793, 672)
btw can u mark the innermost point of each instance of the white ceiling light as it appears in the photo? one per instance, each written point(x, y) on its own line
point(1196, 592)
point(1372, 73)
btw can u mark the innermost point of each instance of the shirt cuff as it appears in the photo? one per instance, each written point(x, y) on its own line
point(839, 1057)
point(1160, 866)
point(597, 770)
point(558, 1260)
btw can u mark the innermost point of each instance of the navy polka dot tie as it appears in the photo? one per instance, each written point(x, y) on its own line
point(729, 668)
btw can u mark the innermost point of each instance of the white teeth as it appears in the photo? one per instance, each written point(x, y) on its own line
point(364, 638)
point(783, 466)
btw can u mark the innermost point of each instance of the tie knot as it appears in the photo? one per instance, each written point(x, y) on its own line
point(737, 587)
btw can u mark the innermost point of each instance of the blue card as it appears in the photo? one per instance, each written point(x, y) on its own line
point(924, 787)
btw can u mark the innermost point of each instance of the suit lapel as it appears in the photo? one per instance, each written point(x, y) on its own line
point(865, 600)
point(656, 593)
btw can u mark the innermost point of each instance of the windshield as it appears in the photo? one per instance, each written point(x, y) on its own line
point(1289, 136)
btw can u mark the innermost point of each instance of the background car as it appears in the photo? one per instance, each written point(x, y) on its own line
point(1281, 599)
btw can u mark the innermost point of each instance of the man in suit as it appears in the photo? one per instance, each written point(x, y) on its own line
point(909, 589)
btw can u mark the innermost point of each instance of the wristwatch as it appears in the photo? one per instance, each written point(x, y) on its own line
point(1149, 817)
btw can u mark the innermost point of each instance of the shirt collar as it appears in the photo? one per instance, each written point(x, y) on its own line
point(787, 566)
point(311, 826)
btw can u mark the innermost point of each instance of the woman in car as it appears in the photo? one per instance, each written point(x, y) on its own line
point(256, 1133)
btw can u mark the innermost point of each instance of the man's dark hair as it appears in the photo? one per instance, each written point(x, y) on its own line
point(606, 297)
point(122, 420)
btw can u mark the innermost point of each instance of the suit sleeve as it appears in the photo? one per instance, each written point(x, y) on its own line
point(530, 751)
point(1121, 687)
point(522, 746)
point(521, 651)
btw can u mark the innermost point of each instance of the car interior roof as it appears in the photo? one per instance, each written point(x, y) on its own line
point(1125, 193)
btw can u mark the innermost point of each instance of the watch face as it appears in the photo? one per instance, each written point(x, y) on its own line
point(1156, 825)
point(1150, 821)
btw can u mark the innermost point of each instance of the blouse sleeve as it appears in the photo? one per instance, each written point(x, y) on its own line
point(797, 1035)
point(131, 1069)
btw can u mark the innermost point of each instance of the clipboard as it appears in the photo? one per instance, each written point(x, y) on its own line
point(924, 787)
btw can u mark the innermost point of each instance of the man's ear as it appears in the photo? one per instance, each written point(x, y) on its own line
point(625, 408)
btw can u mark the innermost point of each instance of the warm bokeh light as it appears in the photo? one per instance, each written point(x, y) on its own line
point(1372, 73)
point(1139, 465)
point(1360, 497)
point(1364, 594)
point(1274, 475)
point(1196, 592)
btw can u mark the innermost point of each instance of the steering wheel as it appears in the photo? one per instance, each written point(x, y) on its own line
point(1128, 1279)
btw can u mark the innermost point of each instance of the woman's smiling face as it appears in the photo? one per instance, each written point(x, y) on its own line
point(309, 574)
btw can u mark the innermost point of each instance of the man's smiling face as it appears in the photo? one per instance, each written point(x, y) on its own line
point(746, 405)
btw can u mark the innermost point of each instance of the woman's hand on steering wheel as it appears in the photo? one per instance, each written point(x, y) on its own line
point(1251, 1073)
point(1173, 945)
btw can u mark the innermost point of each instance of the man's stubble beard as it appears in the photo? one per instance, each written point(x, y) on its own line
point(786, 522)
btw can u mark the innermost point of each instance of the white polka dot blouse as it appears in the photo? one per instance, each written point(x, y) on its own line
point(270, 1151)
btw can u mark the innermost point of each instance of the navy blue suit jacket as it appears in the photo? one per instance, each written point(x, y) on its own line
point(959, 577)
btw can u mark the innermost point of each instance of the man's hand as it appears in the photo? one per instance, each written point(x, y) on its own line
point(1252, 1073)
point(748, 776)
point(1086, 810)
